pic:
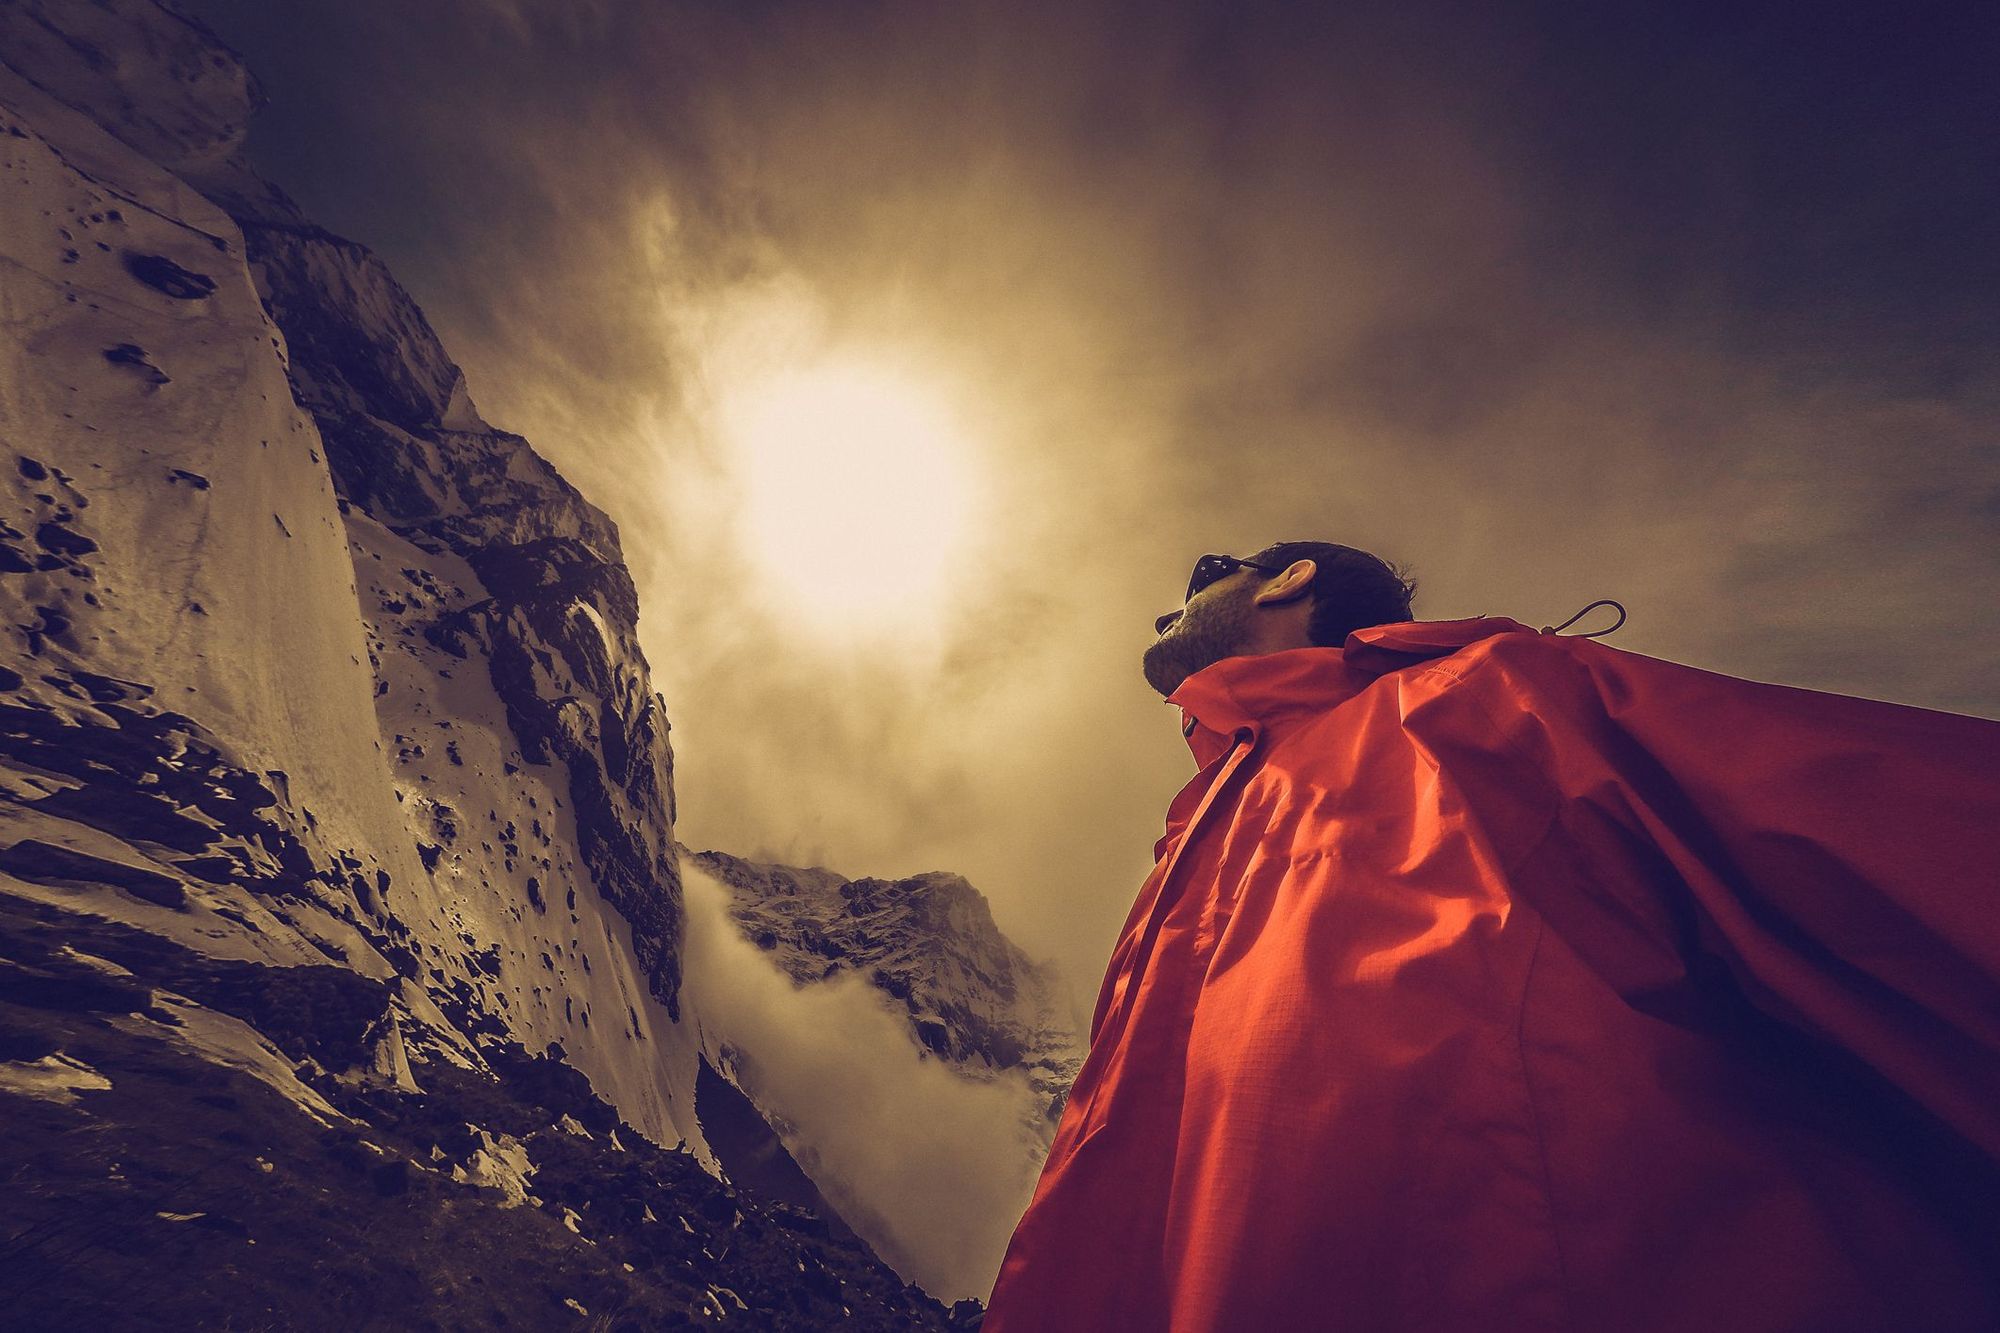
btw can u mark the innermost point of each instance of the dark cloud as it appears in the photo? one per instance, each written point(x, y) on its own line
point(1691, 306)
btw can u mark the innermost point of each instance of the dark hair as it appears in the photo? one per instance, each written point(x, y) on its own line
point(1351, 589)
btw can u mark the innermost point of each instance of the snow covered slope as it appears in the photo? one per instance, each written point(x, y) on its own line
point(407, 615)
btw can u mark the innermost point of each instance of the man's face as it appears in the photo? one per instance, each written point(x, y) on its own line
point(1215, 623)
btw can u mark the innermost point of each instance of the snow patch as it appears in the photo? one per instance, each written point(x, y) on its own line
point(459, 412)
point(230, 1042)
point(595, 617)
point(712, 1300)
point(499, 1164)
point(93, 962)
point(53, 1078)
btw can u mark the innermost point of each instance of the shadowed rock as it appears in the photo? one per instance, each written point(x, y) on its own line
point(46, 863)
point(164, 275)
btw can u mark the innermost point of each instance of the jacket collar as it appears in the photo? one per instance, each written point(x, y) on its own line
point(1239, 694)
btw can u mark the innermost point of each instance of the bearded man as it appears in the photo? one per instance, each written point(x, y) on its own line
point(1496, 979)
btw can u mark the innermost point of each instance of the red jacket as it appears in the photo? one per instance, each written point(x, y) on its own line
point(1498, 980)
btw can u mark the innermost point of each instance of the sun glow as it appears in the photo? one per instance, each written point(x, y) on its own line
point(859, 489)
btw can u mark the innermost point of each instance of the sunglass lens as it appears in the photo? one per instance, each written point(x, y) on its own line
point(1206, 571)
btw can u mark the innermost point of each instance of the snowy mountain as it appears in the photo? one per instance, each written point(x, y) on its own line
point(338, 890)
point(972, 998)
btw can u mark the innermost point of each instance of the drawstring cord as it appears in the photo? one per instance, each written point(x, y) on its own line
point(1602, 601)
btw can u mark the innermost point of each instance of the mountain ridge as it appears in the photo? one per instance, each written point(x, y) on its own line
point(929, 943)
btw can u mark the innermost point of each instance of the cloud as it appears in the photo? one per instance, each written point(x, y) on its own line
point(1621, 305)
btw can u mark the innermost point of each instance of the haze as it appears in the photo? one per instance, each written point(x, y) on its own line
point(1691, 309)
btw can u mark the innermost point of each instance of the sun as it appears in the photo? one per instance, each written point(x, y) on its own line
point(859, 489)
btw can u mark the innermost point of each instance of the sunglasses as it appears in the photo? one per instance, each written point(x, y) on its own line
point(1211, 568)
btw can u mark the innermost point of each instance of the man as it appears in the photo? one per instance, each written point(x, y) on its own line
point(1491, 979)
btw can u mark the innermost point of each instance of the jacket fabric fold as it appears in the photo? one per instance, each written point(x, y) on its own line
point(1489, 978)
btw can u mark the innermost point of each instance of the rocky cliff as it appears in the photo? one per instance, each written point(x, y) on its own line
point(338, 894)
point(408, 637)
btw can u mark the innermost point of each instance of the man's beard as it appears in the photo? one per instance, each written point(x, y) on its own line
point(1207, 632)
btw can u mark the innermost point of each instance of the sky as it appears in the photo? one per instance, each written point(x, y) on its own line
point(919, 349)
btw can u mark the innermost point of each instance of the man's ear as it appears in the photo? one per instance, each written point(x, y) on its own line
point(1295, 582)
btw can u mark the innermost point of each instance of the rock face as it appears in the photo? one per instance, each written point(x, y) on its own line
point(337, 877)
point(928, 942)
point(411, 640)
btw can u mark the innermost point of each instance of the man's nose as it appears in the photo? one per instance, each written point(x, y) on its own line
point(1160, 625)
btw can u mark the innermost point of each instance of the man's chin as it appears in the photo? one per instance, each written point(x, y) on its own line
point(1163, 672)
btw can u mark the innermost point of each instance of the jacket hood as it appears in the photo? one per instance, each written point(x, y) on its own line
point(1246, 693)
